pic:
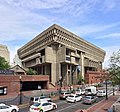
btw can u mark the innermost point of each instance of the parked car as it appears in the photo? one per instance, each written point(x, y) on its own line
point(54, 104)
point(74, 98)
point(89, 99)
point(64, 94)
point(42, 107)
point(82, 91)
point(38, 99)
point(101, 93)
point(8, 108)
point(78, 91)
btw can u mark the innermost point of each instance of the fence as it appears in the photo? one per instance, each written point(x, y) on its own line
point(25, 98)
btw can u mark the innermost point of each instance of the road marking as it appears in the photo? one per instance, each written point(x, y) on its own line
point(68, 107)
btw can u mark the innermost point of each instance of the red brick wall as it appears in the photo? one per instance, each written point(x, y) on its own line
point(94, 77)
point(13, 82)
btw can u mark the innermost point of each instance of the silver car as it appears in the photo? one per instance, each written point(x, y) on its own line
point(89, 99)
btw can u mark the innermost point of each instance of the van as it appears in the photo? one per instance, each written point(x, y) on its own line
point(90, 90)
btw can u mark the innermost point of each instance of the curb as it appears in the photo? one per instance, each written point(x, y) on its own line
point(23, 105)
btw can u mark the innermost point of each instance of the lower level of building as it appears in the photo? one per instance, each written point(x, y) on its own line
point(15, 83)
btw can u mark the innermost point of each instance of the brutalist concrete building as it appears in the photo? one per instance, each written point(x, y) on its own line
point(4, 52)
point(62, 55)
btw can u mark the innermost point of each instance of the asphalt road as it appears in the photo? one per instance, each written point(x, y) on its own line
point(64, 106)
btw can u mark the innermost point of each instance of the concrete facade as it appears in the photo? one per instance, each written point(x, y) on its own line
point(16, 61)
point(62, 55)
point(4, 53)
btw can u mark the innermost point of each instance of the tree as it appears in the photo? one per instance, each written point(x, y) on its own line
point(114, 68)
point(4, 64)
point(81, 79)
point(31, 72)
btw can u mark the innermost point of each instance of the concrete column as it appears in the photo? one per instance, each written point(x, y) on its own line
point(67, 76)
point(82, 64)
point(53, 70)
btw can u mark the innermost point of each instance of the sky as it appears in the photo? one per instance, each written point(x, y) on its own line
point(96, 21)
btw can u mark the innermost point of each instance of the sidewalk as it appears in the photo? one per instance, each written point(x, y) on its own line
point(104, 105)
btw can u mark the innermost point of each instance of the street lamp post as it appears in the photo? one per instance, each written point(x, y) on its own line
point(60, 80)
point(20, 100)
point(113, 91)
point(106, 89)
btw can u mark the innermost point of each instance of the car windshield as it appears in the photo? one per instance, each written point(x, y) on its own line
point(100, 92)
point(36, 104)
point(88, 97)
point(49, 100)
point(88, 90)
point(71, 96)
point(42, 97)
point(36, 99)
point(77, 90)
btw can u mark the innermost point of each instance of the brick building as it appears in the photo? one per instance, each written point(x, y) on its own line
point(61, 55)
point(29, 82)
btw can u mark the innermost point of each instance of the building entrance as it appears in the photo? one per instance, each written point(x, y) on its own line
point(34, 85)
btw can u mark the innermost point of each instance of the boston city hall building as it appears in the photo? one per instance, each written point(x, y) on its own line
point(63, 56)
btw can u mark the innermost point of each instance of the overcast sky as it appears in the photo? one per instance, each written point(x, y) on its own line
point(97, 21)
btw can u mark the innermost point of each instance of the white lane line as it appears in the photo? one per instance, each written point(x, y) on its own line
point(68, 107)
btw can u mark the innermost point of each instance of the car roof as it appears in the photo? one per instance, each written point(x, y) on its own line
point(1, 104)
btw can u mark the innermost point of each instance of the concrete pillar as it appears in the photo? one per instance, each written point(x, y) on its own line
point(53, 70)
point(82, 64)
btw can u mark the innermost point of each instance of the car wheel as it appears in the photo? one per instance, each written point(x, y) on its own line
point(41, 110)
point(54, 107)
point(14, 110)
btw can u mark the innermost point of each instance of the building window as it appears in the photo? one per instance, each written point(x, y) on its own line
point(68, 59)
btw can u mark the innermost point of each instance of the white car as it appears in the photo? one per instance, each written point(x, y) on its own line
point(74, 98)
point(38, 99)
point(78, 91)
point(42, 107)
point(8, 108)
point(82, 91)
point(101, 93)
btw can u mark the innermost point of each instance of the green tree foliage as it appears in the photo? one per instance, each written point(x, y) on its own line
point(31, 72)
point(4, 64)
point(81, 79)
point(114, 68)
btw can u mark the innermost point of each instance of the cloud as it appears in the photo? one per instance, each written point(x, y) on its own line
point(78, 7)
point(109, 50)
point(108, 5)
point(93, 28)
point(74, 8)
point(112, 36)
point(36, 4)
point(18, 24)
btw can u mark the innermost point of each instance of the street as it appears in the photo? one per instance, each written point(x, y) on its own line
point(64, 106)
